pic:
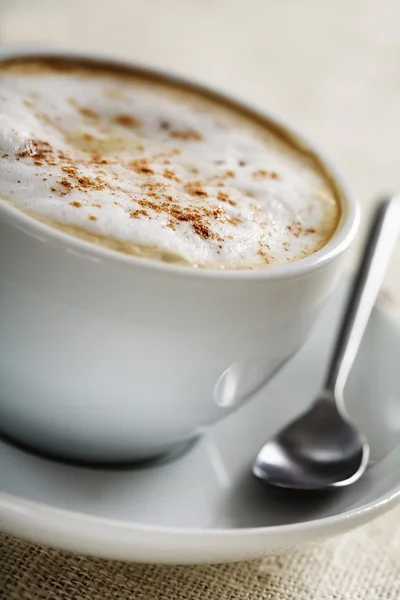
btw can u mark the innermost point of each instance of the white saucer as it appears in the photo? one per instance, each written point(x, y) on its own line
point(206, 506)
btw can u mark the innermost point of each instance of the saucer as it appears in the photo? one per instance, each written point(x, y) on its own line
point(205, 506)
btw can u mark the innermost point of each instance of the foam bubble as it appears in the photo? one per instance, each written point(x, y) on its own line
point(148, 169)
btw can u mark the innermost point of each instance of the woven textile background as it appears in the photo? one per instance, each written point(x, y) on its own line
point(362, 565)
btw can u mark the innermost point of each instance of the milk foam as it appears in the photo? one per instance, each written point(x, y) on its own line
point(160, 172)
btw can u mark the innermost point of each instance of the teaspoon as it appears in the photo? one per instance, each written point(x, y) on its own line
point(322, 448)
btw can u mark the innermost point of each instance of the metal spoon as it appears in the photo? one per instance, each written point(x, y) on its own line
point(322, 448)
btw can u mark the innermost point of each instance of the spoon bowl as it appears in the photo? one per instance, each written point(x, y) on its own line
point(320, 449)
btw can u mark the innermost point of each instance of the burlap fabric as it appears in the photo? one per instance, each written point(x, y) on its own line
point(362, 565)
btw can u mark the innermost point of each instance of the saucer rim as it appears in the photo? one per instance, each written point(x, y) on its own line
point(34, 510)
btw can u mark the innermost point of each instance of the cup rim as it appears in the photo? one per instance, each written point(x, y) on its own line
point(339, 242)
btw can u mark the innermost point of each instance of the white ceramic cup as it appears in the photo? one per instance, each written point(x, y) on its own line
point(106, 357)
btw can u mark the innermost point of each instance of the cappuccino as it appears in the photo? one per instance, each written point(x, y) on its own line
point(148, 168)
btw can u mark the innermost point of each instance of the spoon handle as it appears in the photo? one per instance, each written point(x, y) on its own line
point(379, 245)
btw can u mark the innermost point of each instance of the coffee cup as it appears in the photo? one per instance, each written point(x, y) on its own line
point(108, 357)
